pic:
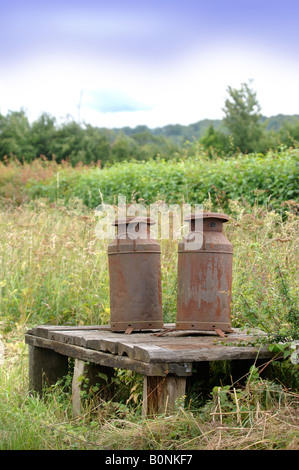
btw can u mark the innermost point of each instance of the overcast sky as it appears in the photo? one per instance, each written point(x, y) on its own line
point(117, 63)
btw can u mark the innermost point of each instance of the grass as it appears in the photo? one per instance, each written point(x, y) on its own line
point(261, 415)
point(53, 267)
point(54, 271)
point(265, 288)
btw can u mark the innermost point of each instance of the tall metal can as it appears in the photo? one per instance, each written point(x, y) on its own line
point(135, 276)
point(205, 276)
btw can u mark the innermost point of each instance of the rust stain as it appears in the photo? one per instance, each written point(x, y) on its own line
point(205, 277)
point(135, 277)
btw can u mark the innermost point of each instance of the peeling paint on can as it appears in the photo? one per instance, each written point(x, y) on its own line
point(205, 277)
point(135, 276)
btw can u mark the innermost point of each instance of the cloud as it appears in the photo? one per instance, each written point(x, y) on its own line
point(112, 101)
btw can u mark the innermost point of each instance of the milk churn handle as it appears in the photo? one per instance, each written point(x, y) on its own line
point(203, 236)
point(118, 237)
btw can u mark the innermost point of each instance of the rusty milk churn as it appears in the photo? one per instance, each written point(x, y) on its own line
point(135, 276)
point(205, 276)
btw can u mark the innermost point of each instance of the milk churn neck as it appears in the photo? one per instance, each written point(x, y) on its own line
point(128, 220)
point(133, 235)
point(131, 225)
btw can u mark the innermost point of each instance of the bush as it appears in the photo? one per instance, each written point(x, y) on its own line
point(192, 180)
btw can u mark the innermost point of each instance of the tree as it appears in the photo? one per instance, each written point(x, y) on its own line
point(215, 142)
point(123, 148)
point(43, 136)
point(289, 133)
point(15, 136)
point(242, 118)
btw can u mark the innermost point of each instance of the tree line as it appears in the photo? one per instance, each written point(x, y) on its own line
point(75, 143)
point(243, 129)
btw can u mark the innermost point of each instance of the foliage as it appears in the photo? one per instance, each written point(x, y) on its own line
point(74, 143)
point(265, 292)
point(242, 118)
point(262, 415)
point(14, 131)
point(54, 268)
point(14, 176)
point(242, 405)
point(216, 142)
point(191, 179)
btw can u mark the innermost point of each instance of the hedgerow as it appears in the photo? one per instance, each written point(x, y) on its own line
point(193, 180)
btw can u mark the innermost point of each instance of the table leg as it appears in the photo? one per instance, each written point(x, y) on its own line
point(46, 367)
point(162, 394)
point(92, 375)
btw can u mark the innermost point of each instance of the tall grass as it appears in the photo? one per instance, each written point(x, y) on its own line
point(260, 416)
point(265, 269)
point(55, 270)
point(15, 175)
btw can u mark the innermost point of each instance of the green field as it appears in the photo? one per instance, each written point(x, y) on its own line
point(54, 271)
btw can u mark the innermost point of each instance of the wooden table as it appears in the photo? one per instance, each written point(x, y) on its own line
point(164, 357)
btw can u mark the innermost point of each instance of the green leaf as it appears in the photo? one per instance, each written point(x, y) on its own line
point(103, 376)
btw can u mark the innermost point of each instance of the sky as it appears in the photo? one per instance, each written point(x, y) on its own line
point(116, 63)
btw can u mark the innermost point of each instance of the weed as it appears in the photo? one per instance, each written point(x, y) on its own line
point(54, 271)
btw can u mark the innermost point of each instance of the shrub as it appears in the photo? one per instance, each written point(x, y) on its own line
point(192, 180)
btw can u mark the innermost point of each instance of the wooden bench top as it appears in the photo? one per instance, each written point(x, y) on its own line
point(156, 352)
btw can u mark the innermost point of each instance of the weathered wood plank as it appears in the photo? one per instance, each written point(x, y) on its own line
point(44, 330)
point(79, 338)
point(130, 345)
point(116, 343)
point(109, 345)
point(166, 353)
point(98, 357)
point(168, 329)
point(149, 348)
point(126, 345)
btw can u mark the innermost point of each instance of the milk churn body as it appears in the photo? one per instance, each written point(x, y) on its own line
point(135, 278)
point(205, 278)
